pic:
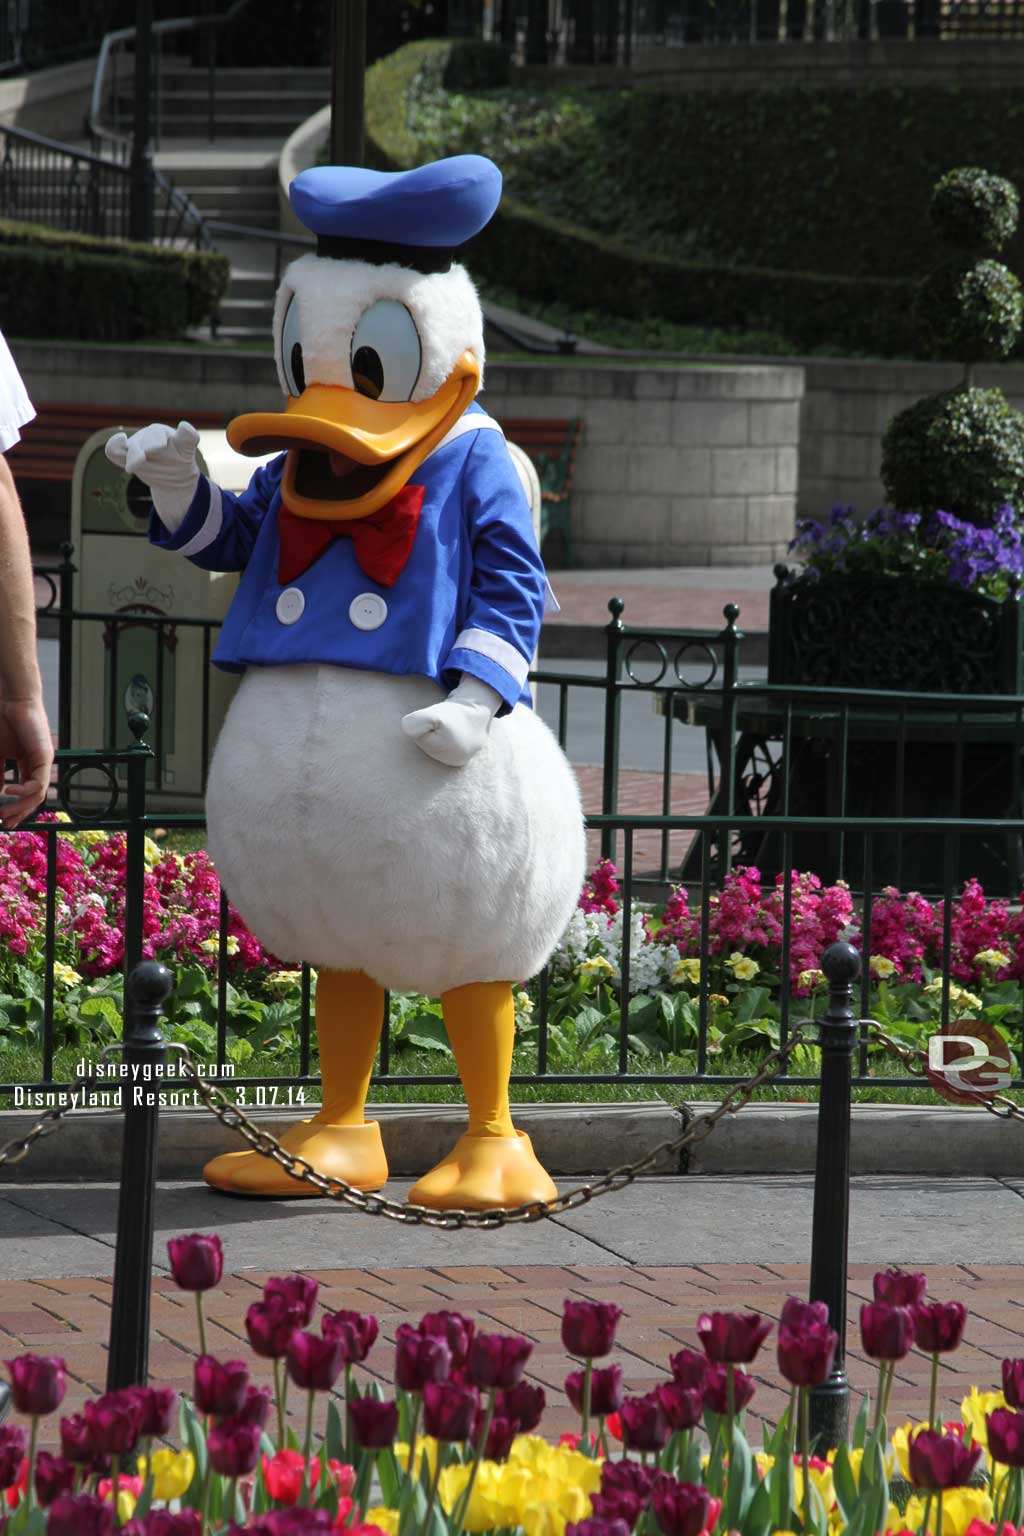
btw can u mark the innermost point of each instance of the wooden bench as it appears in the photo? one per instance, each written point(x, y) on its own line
point(551, 444)
point(51, 443)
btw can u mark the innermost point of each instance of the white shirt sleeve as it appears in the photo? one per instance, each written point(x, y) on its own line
point(16, 409)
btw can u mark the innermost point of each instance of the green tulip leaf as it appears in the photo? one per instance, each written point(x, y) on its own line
point(843, 1479)
point(758, 1521)
point(739, 1484)
point(860, 1428)
point(334, 1439)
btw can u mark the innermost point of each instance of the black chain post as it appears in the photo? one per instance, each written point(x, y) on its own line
point(612, 717)
point(146, 990)
point(830, 1403)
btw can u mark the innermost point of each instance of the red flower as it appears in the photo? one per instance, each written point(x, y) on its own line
point(269, 1325)
point(682, 1405)
point(298, 1291)
point(283, 1473)
point(523, 1406)
point(805, 1355)
point(13, 1443)
point(941, 1461)
point(644, 1424)
point(54, 1476)
point(500, 1436)
point(689, 1368)
point(76, 1439)
point(588, 1327)
point(419, 1358)
point(605, 1390)
point(449, 1410)
point(158, 1405)
point(801, 1314)
point(456, 1330)
point(197, 1261)
point(38, 1384)
point(115, 1421)
point(375, 1423)
point(886, 1330)
point(900, 1288)
point(732, 1338)
point(234, 1447)
point(939, 1327)
point(681, 1509)
point(497, 1359)
point(357, 1331)
point(218, 1387)
point(81, 1515)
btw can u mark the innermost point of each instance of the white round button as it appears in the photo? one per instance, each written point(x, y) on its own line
point(368, 611)
point(290, 605)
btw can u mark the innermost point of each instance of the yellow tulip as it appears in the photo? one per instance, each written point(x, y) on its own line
point(125, 1506)
point(426, 1447)
point(959, 1507)
point(173, 1472)
point(974, 1410)
point(901, 1445)
point(385, 1519)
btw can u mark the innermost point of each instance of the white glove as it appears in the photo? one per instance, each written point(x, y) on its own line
point(164, 459)
point(454, 731)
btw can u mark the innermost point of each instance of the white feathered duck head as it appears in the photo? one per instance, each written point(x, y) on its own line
point(378, 336)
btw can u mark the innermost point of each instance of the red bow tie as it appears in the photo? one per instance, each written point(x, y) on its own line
point(382, 542)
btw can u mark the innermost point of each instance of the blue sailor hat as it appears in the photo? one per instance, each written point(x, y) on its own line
point(416, 218)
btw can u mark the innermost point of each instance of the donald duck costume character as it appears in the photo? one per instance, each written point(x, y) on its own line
point(383, 802)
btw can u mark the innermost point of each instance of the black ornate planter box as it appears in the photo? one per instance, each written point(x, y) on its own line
point(892, 632)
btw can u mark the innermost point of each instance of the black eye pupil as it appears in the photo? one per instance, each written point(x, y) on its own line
point(368, 372)
point(298, 371)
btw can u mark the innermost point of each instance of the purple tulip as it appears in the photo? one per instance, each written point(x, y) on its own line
point(594, 1527)
point(899, 1287)
point(76, 1439)
point(689, 1368)
point(449, 1410)
point(681, 1509)
point(161, 1522)
point(605, 1390)
point(732, 1338)
point(498, 1359)
point(115, 1421)
point(619, 1505)
point(269, 1326)
point(1006, 1437)
point(456, 1330)
point(218, 1387)
point(684, 1406)
point(54, 1476)
point(522, 1405)
point(375, 1423)
point(419, 1358)
point(1013, 1382)
point(801, 1314)
point(939, 1326)
point(886, 1330)
point(357, 1332)
point(626, 1477)
point(716, 1389)
point(644, 1424)
point(588, 1327)
point(234, 1447)
point(290, 1522)
point(500, 1435)
point(38, 1384)
point(314, 1362)
point(298, 1291)
point(256, 1408)
point(81, 1515)
point(158, 1408)
point(197, 1261)
point(941, 1461)
point(13, 1444)
point(805, 1355)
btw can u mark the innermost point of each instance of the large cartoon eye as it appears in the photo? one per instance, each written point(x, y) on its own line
point(291, 350)
point(386, 352)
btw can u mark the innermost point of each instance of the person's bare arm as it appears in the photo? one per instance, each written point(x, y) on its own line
point(24, 730)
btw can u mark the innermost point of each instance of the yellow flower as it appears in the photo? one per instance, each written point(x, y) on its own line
point(975, 1409)
point(821, 1481)
point(597, 965)
point(152, 852)
point(882, 966)
point(993, 957)
point(488, 1504)
point(88, 837)
point(687, 970)
point(125, 1506)
point(960, 1000)
point(65, 975)
point(426, 1447)
point(742, 967)
point(959, 1507)
point(283, 981)
point(855, 1455)
point(717, 1000)
point(811, 978)
point(212, 945)
point(385, 1519)
point(173, 1472)
point(523, 1006)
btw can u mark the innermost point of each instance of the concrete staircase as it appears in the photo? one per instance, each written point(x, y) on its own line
point(248, 103)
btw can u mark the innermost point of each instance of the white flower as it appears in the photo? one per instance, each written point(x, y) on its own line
point(523, 1006)
point(993, 957)
point(742, 966)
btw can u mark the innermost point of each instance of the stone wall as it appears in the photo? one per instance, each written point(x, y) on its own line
point(52, 102)
point(845, 410)
point(752, 66)
point(678, 464)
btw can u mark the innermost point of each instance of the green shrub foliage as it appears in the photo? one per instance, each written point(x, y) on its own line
point(961, 451)
point(54, 283)
point(970, 313)
point(974, 210)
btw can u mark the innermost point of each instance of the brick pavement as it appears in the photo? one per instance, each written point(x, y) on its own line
point(640, 794)
point(70, 1317)
point(685, 597)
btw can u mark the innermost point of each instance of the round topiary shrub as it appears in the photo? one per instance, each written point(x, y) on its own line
point(961, 452)
point(974, 210)
point(971, 314)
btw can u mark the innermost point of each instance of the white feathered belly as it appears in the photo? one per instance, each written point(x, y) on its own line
point(343, 844)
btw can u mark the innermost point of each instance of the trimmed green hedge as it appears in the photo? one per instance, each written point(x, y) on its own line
point(795, 209)
point(55, 283)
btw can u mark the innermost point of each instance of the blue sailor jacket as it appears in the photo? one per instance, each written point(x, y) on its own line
point(470, 598)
